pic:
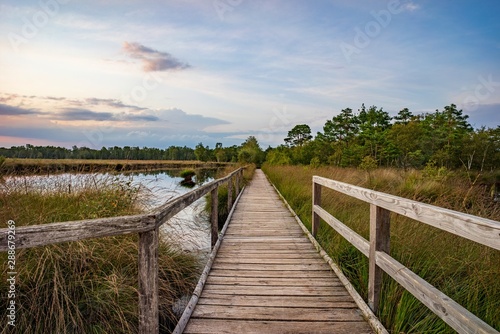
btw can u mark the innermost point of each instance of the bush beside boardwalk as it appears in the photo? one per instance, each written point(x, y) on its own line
point(87, 286)
point(462, 269)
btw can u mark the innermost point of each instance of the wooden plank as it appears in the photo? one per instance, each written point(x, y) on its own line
point(276, 313)
point(379, 241)
point(286, 267)
point(264, 246)
point(266, 239)
point(482, 230)
point(218, 326)
point(443, 306)
point(229, 194)
point(266, 255)
point(316, 200)
point(268, 273)
point(47, 234)
point(282, 281)
point(181, 324)
point(338, 301)
point(148, 282)
point(214, 216)
point(258, 261)
point(368, 314)
point(272, 290)
point(355, 239)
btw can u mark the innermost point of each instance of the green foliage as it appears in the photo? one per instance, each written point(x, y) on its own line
point(405, 140)
point(187, 173)
point(368, 163)
point(278, 157)
point(299, 135)
point(250, 152)
point(315, 162)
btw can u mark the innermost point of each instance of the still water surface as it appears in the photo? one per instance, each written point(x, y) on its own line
point(189, 230)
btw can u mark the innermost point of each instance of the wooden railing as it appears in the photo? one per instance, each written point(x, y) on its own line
point(481, 230)
point(146, 225)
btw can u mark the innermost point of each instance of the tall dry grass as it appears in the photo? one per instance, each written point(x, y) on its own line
point(86, 286)
point(462, 269)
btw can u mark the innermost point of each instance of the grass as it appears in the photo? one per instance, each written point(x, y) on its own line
point(462, 269)
point(87, 286)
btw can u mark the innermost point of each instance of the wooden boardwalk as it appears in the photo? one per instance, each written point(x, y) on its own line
point(268, 277)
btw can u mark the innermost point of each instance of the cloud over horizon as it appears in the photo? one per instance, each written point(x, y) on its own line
point(153, 60)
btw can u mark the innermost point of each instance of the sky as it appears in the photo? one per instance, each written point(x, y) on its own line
point(180, 72)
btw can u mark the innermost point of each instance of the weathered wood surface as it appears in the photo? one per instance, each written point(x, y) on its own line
point(380, 238)
point(481, 230)
point(268, 277)
point(148, 282)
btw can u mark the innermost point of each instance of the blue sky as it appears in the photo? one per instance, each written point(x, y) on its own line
point(179, 72)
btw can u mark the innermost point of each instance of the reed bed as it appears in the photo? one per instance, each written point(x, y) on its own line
point(87, 286)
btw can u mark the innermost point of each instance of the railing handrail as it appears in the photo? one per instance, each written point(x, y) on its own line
point(146, 225)
point(481, 230)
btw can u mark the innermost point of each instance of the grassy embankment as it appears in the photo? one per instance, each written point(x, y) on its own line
point(86, 286)
point(44, 166)
point(464, 270)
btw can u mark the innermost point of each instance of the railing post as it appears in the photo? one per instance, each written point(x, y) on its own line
point(229, 194)
point(316, 200)
point(148, 282)
point(380, 238)
point(215, 215)
point(237, 185)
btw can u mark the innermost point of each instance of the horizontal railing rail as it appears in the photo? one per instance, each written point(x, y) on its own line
point(481, 230)
point(146, 225)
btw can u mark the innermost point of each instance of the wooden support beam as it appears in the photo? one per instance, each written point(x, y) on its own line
point(316, 198)
point(379, 241)
point(229, 194)
point(148, 282)
point(237, 183)
point(214, 219)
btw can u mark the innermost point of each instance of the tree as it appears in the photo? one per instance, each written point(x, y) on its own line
point(404, 116)
point(444, 135)
point(250, 152)
point(342, 127)
point(202, 153)
point(299, 135)
point(374, 124)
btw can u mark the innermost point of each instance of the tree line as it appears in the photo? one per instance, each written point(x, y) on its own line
point(371, 138)
point(248, 152)
point(367, 138)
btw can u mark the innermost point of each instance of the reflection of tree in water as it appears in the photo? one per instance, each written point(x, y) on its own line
point(202, 174)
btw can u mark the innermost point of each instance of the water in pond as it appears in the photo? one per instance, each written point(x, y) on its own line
point(189, 230)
